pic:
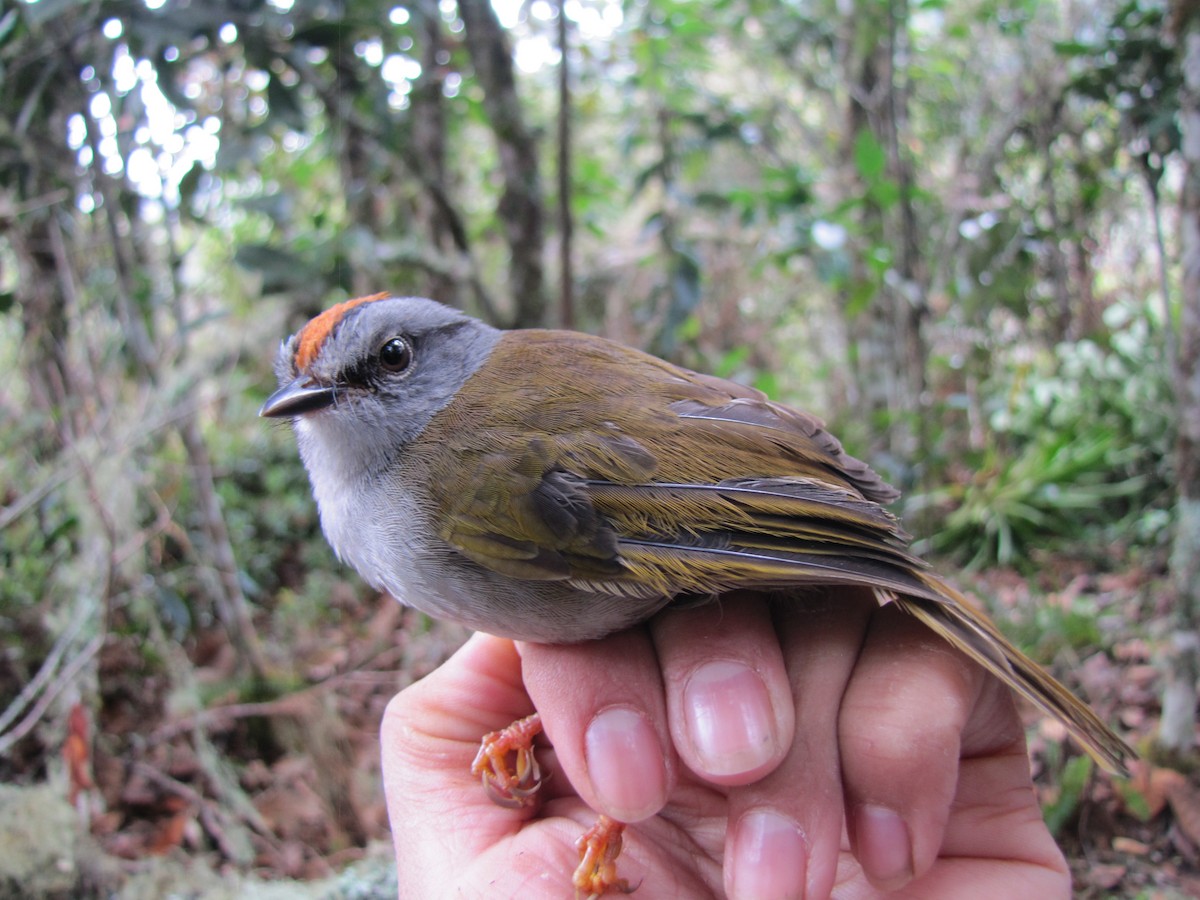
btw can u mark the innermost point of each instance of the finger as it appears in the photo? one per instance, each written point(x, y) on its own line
point(443, 823)
point(786, 829)
point(996, 844)
point(601, 704)
point(995, 821)
point(729, 703)
point(901, 728)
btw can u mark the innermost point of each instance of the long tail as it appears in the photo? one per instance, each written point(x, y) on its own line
point(956, 620)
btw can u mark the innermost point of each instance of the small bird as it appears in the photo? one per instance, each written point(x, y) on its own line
point(553, 486)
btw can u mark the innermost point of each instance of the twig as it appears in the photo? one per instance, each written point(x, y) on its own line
point(288, 705)
point(11, 210)
point(48, 667)
point(207, 809)
point(224, 715)
point(35, 714)
point(33, 497)
point(153, 424)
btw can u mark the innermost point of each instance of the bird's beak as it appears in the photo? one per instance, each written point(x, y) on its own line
point(301, 396)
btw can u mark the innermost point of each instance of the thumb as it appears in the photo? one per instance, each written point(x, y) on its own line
point(450, 838)
point(429, 734)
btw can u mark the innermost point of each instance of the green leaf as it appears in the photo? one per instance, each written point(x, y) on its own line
point(767, 382)
point(1135, 801)
point(861, 295)
point(885, 192)
point(1071, 785)
point(189, 184)
point(869, 157)
point(732, 361)
point(7, 23)
point(1074, 48)
point(284, 106)
point(690, 328)
point(280, 270)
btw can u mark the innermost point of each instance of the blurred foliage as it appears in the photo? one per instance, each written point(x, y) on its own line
point(1071, 787)
point(1079, 446)
point(1061, 631)
point(1055, 487)
point(1132, 66)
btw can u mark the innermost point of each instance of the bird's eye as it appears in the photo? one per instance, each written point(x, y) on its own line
point(396, 355)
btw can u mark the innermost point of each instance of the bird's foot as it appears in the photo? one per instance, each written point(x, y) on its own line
point(511, 776)
point(599, 848)
point(513, 786)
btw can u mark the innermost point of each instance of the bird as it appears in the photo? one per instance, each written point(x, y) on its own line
point(556, 487)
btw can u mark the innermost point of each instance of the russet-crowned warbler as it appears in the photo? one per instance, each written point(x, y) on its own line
point(553, 486)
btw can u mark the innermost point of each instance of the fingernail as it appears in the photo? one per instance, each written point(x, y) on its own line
point(883, 847)
point(729, 719)
point(626, 764)
point(770, 857)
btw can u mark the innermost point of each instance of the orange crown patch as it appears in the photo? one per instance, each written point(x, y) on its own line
point(313, 335)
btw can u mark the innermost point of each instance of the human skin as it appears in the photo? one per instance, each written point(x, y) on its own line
point(761, 750)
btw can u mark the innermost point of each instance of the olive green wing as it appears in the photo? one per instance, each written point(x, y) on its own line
point(587, 510)
point(753, 533)
point(529, 515)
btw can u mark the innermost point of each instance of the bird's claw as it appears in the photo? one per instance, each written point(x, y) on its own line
point(511, 776)
point(599, 848)
point(513, 786)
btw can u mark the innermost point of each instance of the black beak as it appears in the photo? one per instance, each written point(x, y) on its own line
point(295, 399)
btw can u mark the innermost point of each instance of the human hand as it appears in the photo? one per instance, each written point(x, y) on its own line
point(763, 750)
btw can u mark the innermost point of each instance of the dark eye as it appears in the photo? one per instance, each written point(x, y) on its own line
point(396, 355)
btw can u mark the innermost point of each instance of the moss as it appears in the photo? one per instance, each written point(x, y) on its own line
point(38, 839)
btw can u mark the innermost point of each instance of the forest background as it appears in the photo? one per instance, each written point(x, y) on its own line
point(966, 234)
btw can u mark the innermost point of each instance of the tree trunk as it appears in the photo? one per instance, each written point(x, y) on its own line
point(887, 314)
point(358, 184)
point(520, 206)
point(909, 288)
point(1178, 730)
point(429, 145)
point(566, 297)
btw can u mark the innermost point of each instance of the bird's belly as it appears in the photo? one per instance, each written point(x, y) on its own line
point(550, 612)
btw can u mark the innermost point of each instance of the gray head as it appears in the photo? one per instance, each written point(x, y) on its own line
point(363, 379)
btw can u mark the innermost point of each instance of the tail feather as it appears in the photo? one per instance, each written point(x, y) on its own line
point(956, 621)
